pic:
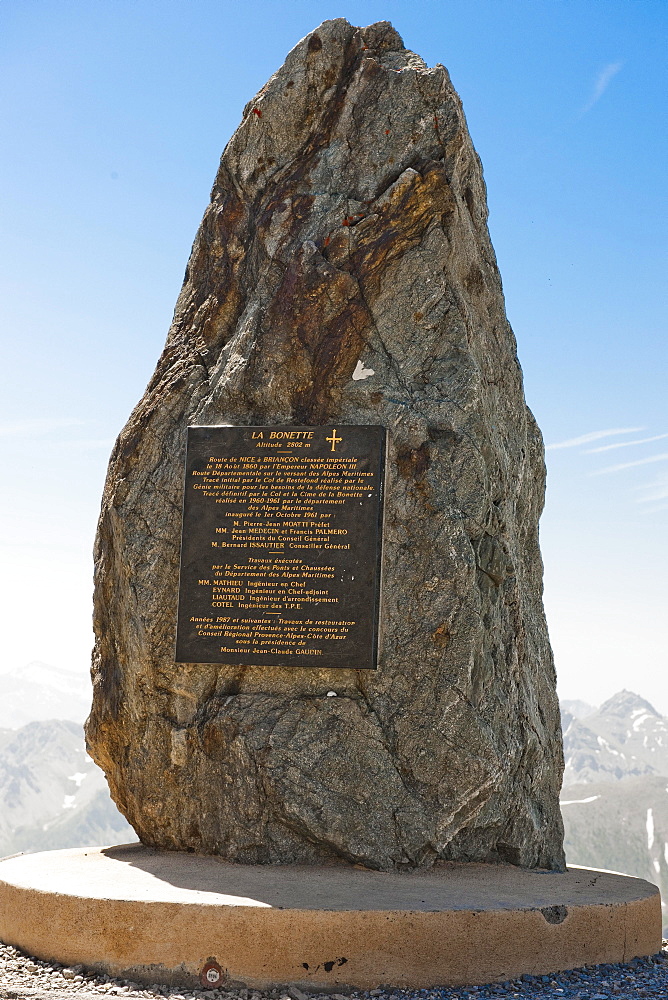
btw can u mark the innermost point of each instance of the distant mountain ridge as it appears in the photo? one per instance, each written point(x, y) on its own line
point(38, 691)
point(51, 793)
point(614, 799)
point(576, 708)
point(626, 737)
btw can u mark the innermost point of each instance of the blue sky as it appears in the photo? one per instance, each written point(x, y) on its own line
point(114, 114)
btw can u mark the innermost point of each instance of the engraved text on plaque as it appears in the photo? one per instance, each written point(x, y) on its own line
point(281, 547)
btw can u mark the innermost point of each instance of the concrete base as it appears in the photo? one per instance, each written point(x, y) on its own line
point(154, 916)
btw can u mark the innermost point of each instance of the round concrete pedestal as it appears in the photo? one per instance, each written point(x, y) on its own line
point(154, 916)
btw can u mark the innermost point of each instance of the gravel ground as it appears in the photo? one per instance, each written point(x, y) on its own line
point(26, 978)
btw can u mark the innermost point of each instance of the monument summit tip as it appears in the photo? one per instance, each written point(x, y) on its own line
point(334, 483)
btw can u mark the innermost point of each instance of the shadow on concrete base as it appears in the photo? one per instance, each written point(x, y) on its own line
point(162, 917)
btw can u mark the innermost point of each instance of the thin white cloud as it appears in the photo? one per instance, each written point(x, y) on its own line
point(656, 491)
point(601, 85)
point(663, 457)
point(625, 444)
point(592, 436)
point(38, 425)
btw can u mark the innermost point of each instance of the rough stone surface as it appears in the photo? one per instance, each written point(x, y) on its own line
point(347, 225)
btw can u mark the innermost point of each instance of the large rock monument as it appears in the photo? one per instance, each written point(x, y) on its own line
point(343, 275)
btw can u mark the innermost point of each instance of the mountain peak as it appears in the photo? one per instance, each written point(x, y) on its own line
point(625, 738)
point(625, 703)
point(577, 708)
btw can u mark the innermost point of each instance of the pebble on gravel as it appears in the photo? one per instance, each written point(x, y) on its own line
point(23, 977)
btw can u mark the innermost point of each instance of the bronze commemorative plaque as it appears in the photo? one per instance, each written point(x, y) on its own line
point(281, 546)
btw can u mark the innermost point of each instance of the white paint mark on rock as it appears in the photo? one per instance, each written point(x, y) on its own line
point(361, 372)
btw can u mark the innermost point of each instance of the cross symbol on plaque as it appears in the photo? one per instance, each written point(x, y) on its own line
point(334, 439)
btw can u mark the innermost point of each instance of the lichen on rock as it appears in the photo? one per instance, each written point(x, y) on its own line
point(343, 272)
